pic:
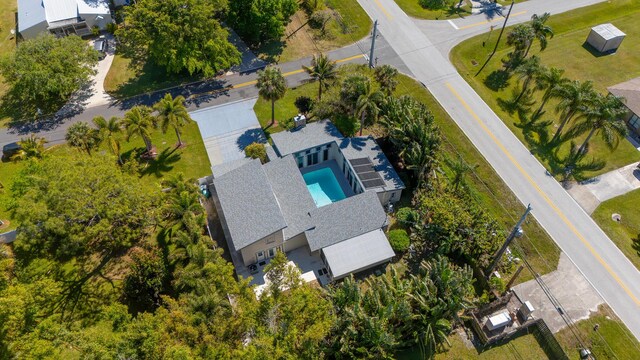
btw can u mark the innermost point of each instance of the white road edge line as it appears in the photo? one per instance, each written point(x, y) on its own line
point(452, 24)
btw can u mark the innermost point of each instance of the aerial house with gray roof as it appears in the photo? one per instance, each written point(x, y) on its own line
point(321, 194)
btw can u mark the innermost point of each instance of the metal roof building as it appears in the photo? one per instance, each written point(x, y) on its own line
point(605, 38)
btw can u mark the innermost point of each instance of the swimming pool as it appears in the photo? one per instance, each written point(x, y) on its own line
point(323, 186)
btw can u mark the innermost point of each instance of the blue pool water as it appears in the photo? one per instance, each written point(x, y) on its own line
point(323, 186)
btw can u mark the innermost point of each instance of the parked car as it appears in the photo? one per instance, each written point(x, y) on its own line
point(9, 150)
point(101, 45)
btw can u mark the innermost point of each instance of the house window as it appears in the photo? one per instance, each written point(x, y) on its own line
point(319, 148)
point(260, 255)
point(325, 155)
point(272, 252)
point(634, 122)
point(300, 162)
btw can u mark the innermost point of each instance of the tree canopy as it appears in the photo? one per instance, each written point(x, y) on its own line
point(180, 35)
point(43, 72)
point(258, 21)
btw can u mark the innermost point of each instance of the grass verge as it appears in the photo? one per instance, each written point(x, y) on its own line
point(566, 51)
point(612, 340)
point(486, 186)
point(414, 9)
point(626, 233)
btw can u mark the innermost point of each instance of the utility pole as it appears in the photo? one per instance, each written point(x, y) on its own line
point(373, 42)
point(499, 37)
point(516, 232)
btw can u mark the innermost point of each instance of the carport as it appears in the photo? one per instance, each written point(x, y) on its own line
point(227, 129)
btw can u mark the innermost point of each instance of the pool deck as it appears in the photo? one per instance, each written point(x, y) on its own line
point(333, 165)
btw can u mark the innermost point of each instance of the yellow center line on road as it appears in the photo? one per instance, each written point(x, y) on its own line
point(253, 82)
point(562, 216)
point(490, 21)
point(384, 11)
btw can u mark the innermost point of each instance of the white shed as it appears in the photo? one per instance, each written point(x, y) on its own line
point(605, 38)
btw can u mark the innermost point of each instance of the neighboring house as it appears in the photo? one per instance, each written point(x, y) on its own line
point(317, 193)
point(630, 91)
point(61, 17)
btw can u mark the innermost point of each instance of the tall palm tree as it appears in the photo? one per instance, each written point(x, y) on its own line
point(110, 131)
point(551, 80)
point(367, 104)
point(182, 205)
point(323, 70)
point(271, 86)
point(574, 97)
point(527, 72)
point(386, 76)
point(520, 38)
point(31, 147)
point(604, 117)
point(540, 30)
point(172, 112)
point(139, 122)
point(82, 136)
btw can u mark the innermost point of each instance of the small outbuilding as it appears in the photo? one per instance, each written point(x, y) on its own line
point(605, 38)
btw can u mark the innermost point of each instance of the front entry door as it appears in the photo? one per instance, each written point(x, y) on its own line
point(260, 255)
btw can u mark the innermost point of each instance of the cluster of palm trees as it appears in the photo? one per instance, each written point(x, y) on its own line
point(272, 86)
point(581, 109)
point(391, 312)
point(138, 122)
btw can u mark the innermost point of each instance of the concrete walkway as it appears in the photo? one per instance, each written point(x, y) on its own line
point(589, 194)
point(98, 95)
point(571, 290)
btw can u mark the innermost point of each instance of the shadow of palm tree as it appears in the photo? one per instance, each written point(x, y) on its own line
point(162, 164)
point(635, 244)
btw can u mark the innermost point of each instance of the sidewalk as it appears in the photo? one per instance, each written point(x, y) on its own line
point(589, 194)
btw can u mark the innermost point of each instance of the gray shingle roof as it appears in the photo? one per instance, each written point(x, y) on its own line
point(292, 194)
point(250, 207)
point(345, 219)
point(311, 135)
point(357, 253)
point(630, 91)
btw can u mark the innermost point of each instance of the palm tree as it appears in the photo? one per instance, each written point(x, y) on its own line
point(551, 80)
point(322, 70)
point(527, 72)
point(110, 131)
point(540, 30)
point(181, 206)
point(459, 168)
point(139, 122)
point(367, 104)
point(172, 112)
point(574, 97)
point(272, 86)
point(82, 136)
point(520, 38)
point(31, 147)
point(604, 116)
point(386, 76)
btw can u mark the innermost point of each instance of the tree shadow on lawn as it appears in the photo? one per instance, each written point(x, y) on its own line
point(635, 244)
point(497, 80)
point(159, 166)
point(270, 51)
point(150, 78)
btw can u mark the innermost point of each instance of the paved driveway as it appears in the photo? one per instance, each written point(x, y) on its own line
point(227, 129)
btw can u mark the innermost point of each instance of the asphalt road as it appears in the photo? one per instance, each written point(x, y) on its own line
point(424, 47)
point(203, 94)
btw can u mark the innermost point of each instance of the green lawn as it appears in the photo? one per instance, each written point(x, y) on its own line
point(414, 9)
point(487, 187)
point(350, 24)
point(612, 340)
point(191, 160)
point(626, 233)
point(565, 51)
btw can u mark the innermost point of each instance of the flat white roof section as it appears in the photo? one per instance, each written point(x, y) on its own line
point(227, 129)
point(608, 31)
point(358, 253)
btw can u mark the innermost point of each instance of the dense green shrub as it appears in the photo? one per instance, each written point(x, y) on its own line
point(399, 240)
point(256, 151)
point(407, 215)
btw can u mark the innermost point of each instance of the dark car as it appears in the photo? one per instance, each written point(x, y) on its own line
point(101, 47)
point(9, 150)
